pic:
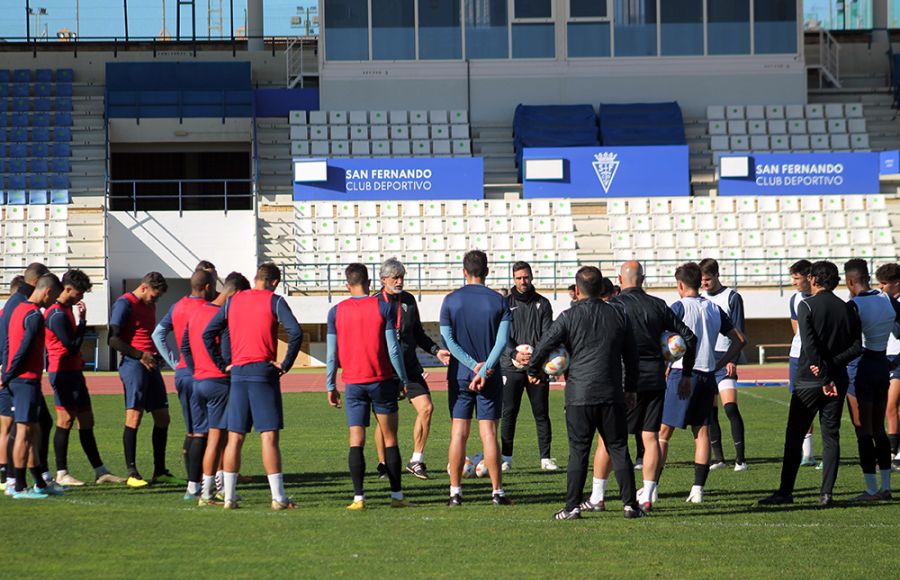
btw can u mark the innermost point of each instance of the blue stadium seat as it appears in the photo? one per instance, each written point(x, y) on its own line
point(60, 150)
point(63, 134)
point(18, 150)
point(40, 120)
point(38, 166)
point(38, 196)
point(4, 75)
point(40, 134)
point(16, 196)
point(62, 119)
point(64, 89)
point(2, 135)
point(4, 90)
point(60, 165)
point(19, 120)
point(642, 124)
point(39, 150)
point(18, 134)
point(43, 105)
point(42, 90)
point(2, 150)
point(43, 75)
point(3, 118)
point(16, 182)
point(38, 182)
point(59, 182)
point(2, 167)
point(21, 91)
point(21, 104)
point(22, 75)
point(65, 75)
point(19, 165)
point(63, 104)
point(2, 193)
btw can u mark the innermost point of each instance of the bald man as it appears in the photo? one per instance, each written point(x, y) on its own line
point(645, 390)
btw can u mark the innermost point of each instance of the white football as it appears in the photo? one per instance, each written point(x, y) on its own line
point(523, 348)
point(481, 469)
point(557, 362)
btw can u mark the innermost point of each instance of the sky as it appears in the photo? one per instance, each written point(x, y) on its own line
point(105, 18)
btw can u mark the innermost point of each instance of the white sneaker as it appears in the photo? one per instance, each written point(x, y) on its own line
point(640, 495)
point(504, 467)
point(639, 466)
point(741, 467)
point(696, 495)
point(719, 465)
point(549, 464)
point(10, 489)
point(63, 478)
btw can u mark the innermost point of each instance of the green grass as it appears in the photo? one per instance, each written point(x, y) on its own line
point(101, 532)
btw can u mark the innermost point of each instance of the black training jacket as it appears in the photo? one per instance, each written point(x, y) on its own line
point(411, 332)
point(648, 318)
point(594, 333)
point(830, 337)
point(530, 320)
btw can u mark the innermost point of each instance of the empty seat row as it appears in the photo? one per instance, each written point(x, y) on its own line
point(461, 242)
point(811, 111)
point(747, 221)
point(34, 165)
point(480, 208)
point(41, 75)
point(378, 132)
point(33, 229)
point(799, 143)
point(35, 149)
point(39, 134)
point(432, 225)
point(792, 126)
point(461, 147)
point(15, 197)
point(24, 92)
point(746, 204)
point(36, 119)
point(401, 117)
point(838, 239)
point(36, 212)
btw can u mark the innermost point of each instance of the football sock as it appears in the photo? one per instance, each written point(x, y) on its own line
point(100, 470)
point(871, 483)
point(186, 454)
point(392, 462)
point(455, 491)
point(638, 448)
point(193, 487)
point(195, 456)
point(46, 476)
point(506, 459)
point(499, 492)
point(737, 430)
point(89, 444)
point(882, 450)
point(649, 490)
point(894, 438)
point(357, 463)
point(220, 480)
point(885, 480)
point(20, 478)
point(129, 440)
point(160, 435)
point(38, 477)
point(715, 437)
point(11, 481)
point(230, 485)
point(2, 473)
point(276, 486)
point(397, 495)
point(866, 444)
point(61, 448)
point(808, 445)
point(701, 472)
point(598, 490)
point(209, 486)
point(417, 457)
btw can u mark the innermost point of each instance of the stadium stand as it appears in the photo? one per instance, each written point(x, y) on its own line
point(553, 126)
point(437, 133)
point(641, 124)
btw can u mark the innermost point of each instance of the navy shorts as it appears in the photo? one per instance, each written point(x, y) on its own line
point(417, 387)
point(184, 386)
point(70, 391)
point(487, 403)
point(26, 395)
point(723, 380)
point(6, 402)
point(646, 415)
point(696, 409)
point(895, 372)
point(209, 404)
point(144, 389)
point(792, 372)
point(361, 399)
point(254, 405)
point(869, 377)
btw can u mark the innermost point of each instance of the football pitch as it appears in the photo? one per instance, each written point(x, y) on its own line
point(152, 532)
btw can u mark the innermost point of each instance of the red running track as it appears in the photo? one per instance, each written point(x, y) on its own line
point(315, 382)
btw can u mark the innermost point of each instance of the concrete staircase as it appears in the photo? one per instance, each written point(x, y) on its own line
point(275, 233)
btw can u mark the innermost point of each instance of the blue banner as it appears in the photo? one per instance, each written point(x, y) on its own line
point(890, 162)
point(805, 174)
point(396, 179)
point(613, 172)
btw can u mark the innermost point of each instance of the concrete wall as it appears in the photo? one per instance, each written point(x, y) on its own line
point(172, 132)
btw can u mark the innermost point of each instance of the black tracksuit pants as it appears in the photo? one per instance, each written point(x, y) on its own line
point(514, 385)
point(583, 423)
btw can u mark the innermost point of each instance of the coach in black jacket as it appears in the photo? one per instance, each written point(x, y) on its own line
point(532, 316)
point(648, 318)
point(830, 335)
point(594, 333)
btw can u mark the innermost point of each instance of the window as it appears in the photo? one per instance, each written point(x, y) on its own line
point(533, 33)
point(635, 27)
point(728, 26)
point(487, 33)
point(533, 9)
point(347, 30)
point(681, 27)
point(588, 39)
point(440, 36)
point(393, 30)
point(774, 27)
point(587, 8)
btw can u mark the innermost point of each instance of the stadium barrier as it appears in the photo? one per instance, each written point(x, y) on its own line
point(179, 194)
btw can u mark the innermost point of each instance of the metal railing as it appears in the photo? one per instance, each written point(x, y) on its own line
point(553, 276)
point(295, 63)
point(829, 59)
point(141, 101)
point(179, 194)
point(8, 272)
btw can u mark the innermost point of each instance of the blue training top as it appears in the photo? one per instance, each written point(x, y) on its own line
point(474, 320)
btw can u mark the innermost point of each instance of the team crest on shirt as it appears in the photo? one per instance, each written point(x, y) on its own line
point(605, 166)
point(404, 307)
